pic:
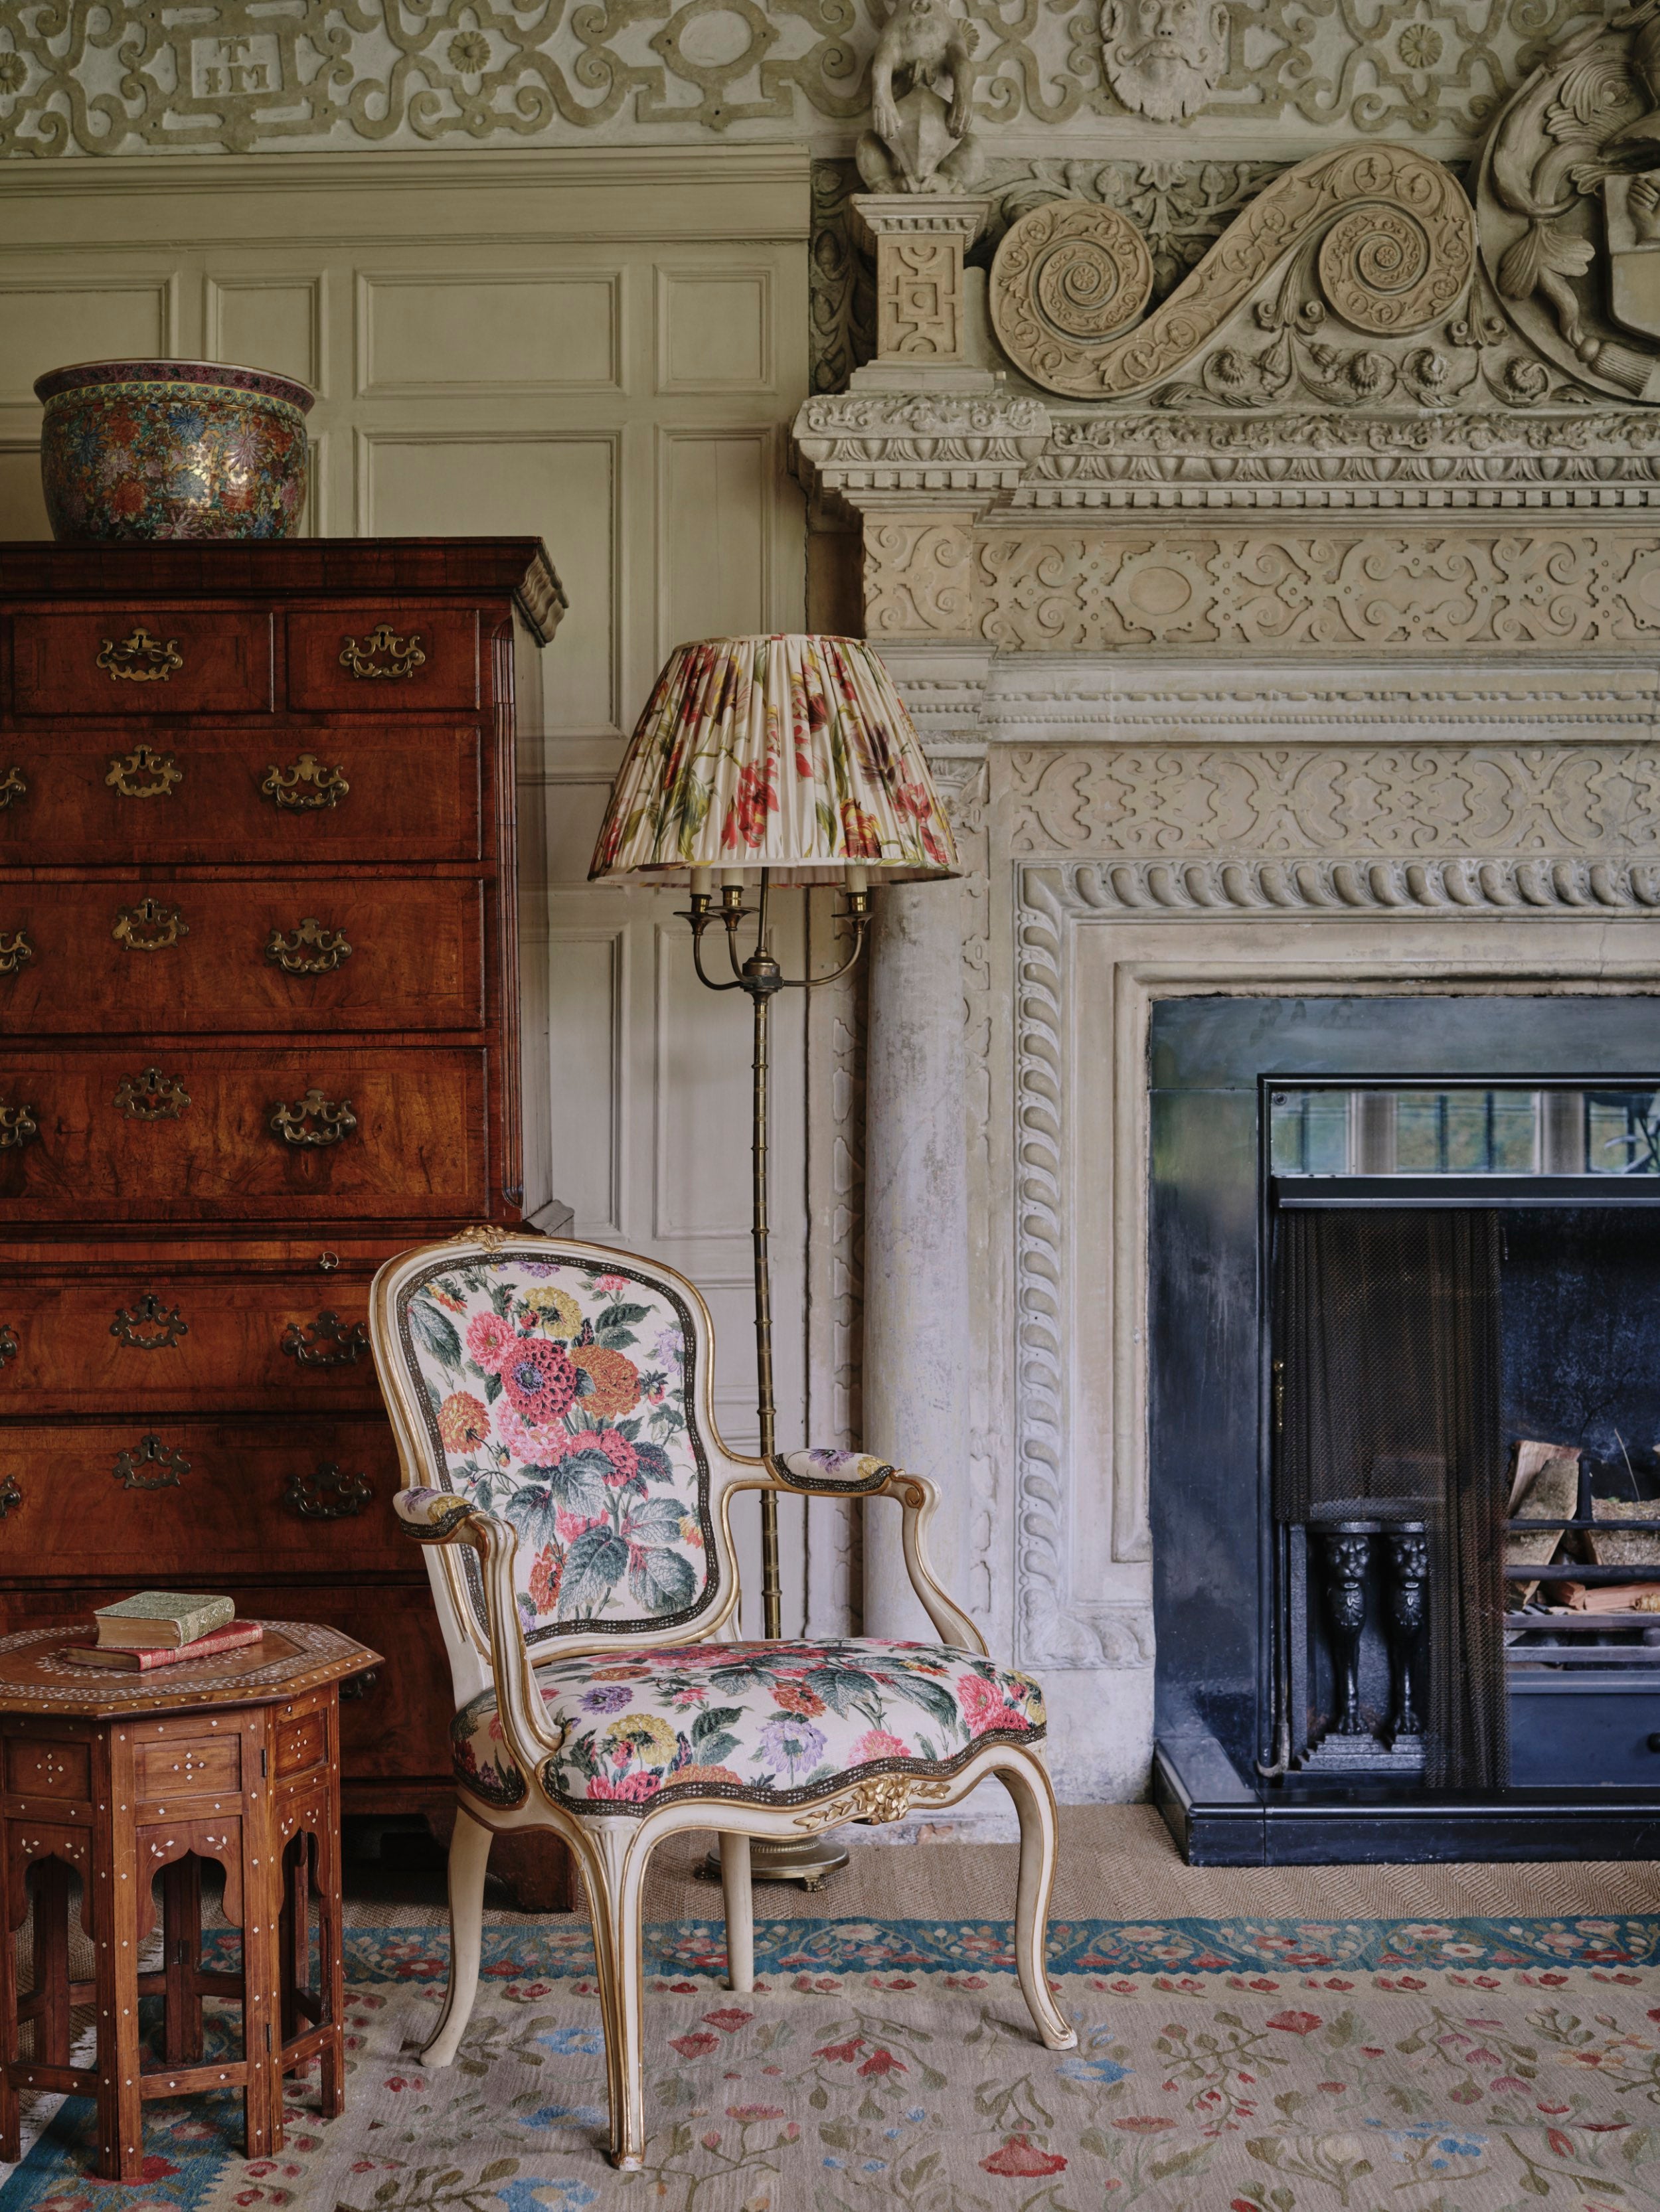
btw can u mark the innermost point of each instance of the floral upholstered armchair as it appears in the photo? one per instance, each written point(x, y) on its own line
point(551, 1402)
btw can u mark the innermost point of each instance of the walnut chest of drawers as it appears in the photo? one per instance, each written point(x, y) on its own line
point(261, 982)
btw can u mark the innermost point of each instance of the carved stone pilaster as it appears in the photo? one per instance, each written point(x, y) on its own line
point(919, 575)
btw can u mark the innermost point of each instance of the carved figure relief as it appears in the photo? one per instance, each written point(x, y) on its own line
point(921, 79)
point(1568, 204)
point(1163, 57)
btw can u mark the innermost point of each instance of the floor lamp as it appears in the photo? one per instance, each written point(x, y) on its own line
point(776, 763)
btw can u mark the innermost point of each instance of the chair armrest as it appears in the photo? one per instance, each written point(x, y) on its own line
point(859, 1475)
point(438, 1516)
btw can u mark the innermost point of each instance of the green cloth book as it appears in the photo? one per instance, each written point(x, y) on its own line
point(153, 1620)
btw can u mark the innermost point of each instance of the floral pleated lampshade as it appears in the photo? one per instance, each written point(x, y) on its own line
point(791, 753)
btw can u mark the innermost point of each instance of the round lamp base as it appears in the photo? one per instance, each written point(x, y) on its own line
point(807, 1862)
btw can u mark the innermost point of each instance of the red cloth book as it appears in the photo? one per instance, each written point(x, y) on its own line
point(205, 1647)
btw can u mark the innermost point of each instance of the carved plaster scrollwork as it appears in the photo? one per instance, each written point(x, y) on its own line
point(1396, 253)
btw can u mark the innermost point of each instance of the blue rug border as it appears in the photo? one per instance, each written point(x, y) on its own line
point(1178, 1946)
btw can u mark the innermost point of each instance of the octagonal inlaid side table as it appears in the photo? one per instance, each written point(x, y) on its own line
point(121, 1776)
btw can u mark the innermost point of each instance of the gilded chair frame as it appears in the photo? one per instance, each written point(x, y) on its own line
point(613, 1850)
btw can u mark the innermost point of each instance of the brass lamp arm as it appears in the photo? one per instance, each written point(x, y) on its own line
point(699, 923)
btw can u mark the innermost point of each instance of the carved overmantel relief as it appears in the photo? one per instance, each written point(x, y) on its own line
point(1295, 600)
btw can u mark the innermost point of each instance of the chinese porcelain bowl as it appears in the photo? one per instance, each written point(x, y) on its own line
point(160, 449)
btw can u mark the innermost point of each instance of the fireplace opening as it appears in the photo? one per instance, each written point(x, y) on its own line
point(1404, 1427)
point(1466, 1416)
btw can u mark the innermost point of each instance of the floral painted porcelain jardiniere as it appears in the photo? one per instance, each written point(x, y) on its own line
point(163, 449)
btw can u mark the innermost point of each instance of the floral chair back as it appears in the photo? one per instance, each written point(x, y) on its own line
point(565, 1389)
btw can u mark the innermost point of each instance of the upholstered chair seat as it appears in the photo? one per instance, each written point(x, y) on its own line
point(562, 1464)
point(752, 1724)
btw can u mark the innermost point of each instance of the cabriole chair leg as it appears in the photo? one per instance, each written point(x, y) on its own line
point(740, 1910)
point(470, 1850)
point(1034, 1800)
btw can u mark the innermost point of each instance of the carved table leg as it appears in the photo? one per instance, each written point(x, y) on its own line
point(261, 1905)
point(11, 1912)
point(1408, 1574)
point(115, 1938)
point(330, 1960)
point(181, 1942)
point(1346, 1553)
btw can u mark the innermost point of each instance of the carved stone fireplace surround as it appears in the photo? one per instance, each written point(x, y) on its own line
point(1300, 699)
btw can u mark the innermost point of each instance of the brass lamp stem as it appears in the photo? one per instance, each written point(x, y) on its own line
point(761, 977)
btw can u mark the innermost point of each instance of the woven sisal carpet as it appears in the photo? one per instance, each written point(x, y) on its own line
point(1424, 2040)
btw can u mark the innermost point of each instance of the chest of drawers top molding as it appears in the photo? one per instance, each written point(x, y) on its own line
point(170, 635)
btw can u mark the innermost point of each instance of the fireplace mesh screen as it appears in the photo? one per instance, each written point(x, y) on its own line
point(1386, 1336)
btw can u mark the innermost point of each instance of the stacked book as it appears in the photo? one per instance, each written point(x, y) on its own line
point(158, 1628)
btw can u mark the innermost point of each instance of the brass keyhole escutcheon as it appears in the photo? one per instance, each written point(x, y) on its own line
point(149, 927)
point(308, 784)
point(148, 1464)
point(146, 1328)
point(313, 1119)
point(140, 659)
point(309, 949)
point(143, 773)
point(383, 654)
point(151, 1097)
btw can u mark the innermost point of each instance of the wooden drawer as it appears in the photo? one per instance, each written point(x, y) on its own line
point(152, 1339)
point(412, 794)
point(418, 1149)
point(400, 658)
point(386, 954)
point(270, 1497)
point(143, 659)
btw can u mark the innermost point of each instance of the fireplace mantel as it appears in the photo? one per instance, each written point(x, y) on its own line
point(1268, 700)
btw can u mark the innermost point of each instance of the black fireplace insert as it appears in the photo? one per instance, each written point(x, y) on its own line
point(1405, 1426)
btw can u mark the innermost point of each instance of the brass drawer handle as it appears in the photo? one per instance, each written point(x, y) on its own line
point(328, 1495)
point(10, 1495)
point(166, 1469)
point(313, 1119)
point(146, 1328)
point(143, 773)
point(18, 1127)
point(149, 927)
point(13, 785)
point(328, 1341)
point(307, 784)
point(310, 950)
point(383, 654)
point(151, 1097)
point(8, 1342)
point(16, 952)
point(140, 659)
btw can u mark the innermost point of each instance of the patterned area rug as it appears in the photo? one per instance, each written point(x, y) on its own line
point(1225, 2066)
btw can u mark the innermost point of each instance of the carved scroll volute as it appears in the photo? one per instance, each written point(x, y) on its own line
point(1391, 235)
